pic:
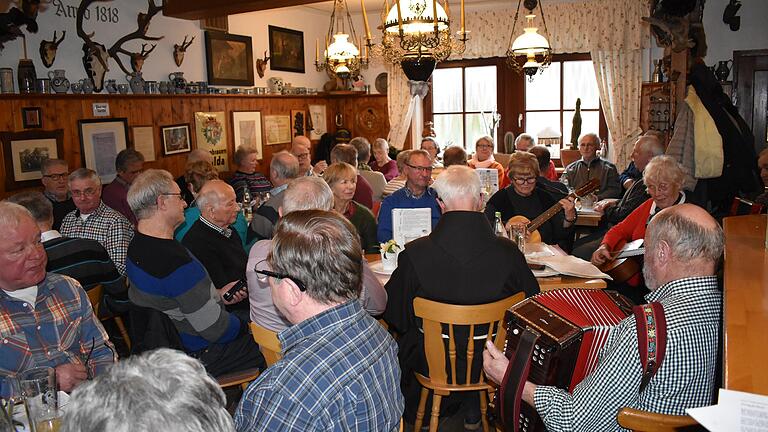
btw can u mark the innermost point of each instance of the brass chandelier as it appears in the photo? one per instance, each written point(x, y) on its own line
point(530, 52)
point(341, 56)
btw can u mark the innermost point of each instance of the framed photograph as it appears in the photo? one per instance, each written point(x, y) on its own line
point(246, 129)
point(286, 49)
point(24, 153)
point(229, 59)
point(277, 129)
point(317, 123)
point(176, 139)
point(100, 142)
point(31, 117)
point(298, 123)
point(144, 141)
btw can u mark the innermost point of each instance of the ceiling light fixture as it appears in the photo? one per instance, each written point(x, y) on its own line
point(342, 57)
point(530, 52)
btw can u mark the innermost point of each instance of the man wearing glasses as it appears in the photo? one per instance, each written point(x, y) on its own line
point(129, 164)
point(339, 369)
point(94, 220)
point(300, 147)
point(592, 166)
point(55, 172)
point(415, 194)
point(166, 277)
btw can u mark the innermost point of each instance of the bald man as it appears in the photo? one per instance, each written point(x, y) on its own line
point(193, 156)
point(684, 245)
point(300, 147)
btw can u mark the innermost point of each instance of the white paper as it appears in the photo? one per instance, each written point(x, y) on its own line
point(144, 142)
point(489, 181)
point(735, 412)
point(571, 266)
point(410, 224)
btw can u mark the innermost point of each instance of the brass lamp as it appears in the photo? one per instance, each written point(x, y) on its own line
point(530, 52)
point(342, 57)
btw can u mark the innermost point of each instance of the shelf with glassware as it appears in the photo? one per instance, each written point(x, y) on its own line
point(658, 109)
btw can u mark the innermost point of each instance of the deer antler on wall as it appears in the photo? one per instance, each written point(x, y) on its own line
point(48, 49)
point(137, 59)
point(94, 54)
point(180, 50)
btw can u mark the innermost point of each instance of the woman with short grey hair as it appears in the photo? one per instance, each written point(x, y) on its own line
point(381, 161)
point(246, 175)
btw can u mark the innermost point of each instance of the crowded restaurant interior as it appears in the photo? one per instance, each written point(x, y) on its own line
point(408, 215)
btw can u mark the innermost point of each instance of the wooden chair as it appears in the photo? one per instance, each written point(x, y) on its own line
point(644, 421)
point(434, 315)
point(268, 342)
point(741, 206)
point(241, 378)
point(94, 296)
point(568, 156)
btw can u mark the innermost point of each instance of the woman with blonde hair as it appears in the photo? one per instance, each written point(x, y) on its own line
point(342, 179)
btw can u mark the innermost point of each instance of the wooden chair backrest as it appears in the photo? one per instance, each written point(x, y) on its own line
point(644, 421)
point(434, 314)
point(268, 342)
point(94, 296)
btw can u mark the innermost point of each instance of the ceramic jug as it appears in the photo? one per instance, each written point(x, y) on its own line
point(178, 81)
point(87, 85)
point(723, 70)
point(136, 82)
point(59, 81)
point(111, 86)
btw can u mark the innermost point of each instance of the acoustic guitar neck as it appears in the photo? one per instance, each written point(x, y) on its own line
point(541, 219)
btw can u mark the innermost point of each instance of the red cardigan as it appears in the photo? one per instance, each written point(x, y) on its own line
point(630, 229)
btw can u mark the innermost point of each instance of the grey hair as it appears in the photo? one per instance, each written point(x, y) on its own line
point(594, 136)
point(242, 152)
point(525, 136)
point(146, 188)
point(84, 174)
point(457, 182)
point(38, 205)
point(160, 390)
point(687, 239)
point(381, 143)
point(209, 196)
point(307, 193)
point(126, 157)
point(344, 153)
point(651, 144)
point(11, 214)
point(285, 165)
point(664, 168)
point(402, 159)
point(50, 163)
point(485, 138)
point(363, 149)
point(321, 249)
point(418, 152)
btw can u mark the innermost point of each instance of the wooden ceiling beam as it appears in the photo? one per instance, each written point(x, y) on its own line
point(199, 9)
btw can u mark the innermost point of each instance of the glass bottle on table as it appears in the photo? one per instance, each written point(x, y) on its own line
point(498, 226)
point(247, 205)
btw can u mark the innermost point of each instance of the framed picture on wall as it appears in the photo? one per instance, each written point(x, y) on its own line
point(24, 153)
point(31, 117)
point(286, 49)
point(100, 142)
point(317, 121)
point(144, 141)
point(176, 139)
point(298, 123)
point(246, 129)
point(229, 59)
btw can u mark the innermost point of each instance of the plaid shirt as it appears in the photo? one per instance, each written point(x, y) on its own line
point(107, 227)
point(339, 373)
point(59, 329)
point(685, 379)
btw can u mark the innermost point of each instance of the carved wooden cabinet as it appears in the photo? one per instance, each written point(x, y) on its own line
point(658, 109)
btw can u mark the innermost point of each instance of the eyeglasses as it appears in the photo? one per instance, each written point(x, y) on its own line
point(56, 177)
point(173, 194)
point(524, 180)
point(662, 187)
point(420, 168)
point(263, 274)
point(84, 193)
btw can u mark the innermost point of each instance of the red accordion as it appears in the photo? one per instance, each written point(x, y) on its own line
point(553, 338)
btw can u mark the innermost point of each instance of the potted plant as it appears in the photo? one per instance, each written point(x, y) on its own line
point(389, 252)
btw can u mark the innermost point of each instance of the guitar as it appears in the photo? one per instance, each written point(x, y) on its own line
point(627, 262)
point(533, 225)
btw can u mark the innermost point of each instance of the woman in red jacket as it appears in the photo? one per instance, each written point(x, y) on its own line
point(663, 178)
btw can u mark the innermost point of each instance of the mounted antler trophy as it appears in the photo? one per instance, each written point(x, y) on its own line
point(180, 50)
point(261, 65)
point(48, 49)
point(12, 20)
point(96, 55)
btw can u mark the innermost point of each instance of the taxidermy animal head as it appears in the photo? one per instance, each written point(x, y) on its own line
point(179, 50)
point(729, 15)
point(12, 21)
point(137, 59)
point(48, 49)
point(261, 65)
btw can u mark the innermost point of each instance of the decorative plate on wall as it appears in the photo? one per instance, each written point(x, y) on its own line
point(370, 120)
point(381, 83)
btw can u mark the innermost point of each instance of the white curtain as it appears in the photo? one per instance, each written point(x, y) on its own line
point(619, 79)
point(404, 100)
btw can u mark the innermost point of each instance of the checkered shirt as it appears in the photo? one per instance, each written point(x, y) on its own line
point(59, 329)
point(107, 227)
point(685, 379)
point(339, 372)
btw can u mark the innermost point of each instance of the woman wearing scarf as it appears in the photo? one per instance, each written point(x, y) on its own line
point(483, 158)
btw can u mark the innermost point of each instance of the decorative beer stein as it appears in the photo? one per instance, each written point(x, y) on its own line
point(87, 84)
point(136, 82)
point(59, 81)
point(111, 86)
point(178, 81)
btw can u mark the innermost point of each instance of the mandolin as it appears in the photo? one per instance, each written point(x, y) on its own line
point(627, 261)
point(533, 225)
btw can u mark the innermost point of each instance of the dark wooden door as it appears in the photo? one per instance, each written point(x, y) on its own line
point(750, 74)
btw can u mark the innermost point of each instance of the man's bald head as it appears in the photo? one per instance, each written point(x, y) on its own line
point(212, 192)
point(217, 203)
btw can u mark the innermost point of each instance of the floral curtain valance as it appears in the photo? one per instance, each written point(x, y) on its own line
point(581, 26)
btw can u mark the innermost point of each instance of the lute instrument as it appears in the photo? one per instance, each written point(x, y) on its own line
point(533, 225)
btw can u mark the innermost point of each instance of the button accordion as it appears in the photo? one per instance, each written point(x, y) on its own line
point(553, 338)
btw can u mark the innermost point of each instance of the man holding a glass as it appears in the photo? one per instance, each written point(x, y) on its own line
point(45, 318)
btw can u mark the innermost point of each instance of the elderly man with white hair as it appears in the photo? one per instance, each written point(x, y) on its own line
point(461, 262)
point(304, 193)
point(591, 166)
point(283, 168)
point(164, 276)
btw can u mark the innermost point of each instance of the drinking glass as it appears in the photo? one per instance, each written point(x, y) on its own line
point(10, 396)
point(38, 387)
point(517, 233)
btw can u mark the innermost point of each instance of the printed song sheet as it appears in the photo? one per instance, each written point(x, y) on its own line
point(410, 224)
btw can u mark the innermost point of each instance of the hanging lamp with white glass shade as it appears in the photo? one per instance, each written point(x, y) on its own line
point(530, 52)
point(342, 57)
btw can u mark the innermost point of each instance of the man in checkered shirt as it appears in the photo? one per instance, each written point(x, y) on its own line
point(339, 370)
point(683, 247)
point(95, 220)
